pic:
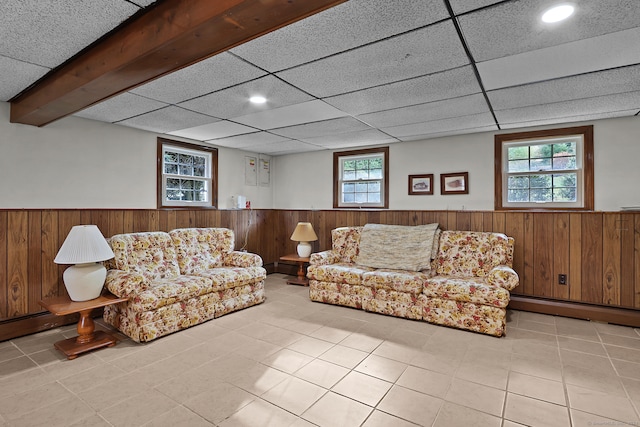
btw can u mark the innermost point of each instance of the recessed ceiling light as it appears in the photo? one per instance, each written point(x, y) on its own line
point(558, 13)
point(258, 99)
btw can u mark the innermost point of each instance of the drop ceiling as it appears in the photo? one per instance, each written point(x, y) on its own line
point(365, 72)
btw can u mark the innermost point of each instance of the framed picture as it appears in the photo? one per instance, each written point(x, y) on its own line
point(421, 185)
point(454, 183)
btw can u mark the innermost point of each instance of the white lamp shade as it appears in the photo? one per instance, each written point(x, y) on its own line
point(84, 244)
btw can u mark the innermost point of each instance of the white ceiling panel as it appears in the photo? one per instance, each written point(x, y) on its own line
point(234, 101)
point(17, 75)
point(120, 107)
point(438, 126)
point(515, 26)
point(463, 6)
point(352, 139)
point(583, 56)
point(343, 27)
point(242, 141)
point(221, 129)
point(168, 119)
point(47, 33)
point(456, 107)
point(212, 74)
point(425, 51)
point(629, 101)
point(574, 119)
point(325, 127)
point(283, 147)
point(306, 112)
point(607, 82)
point(459, 131)
point(434, 87)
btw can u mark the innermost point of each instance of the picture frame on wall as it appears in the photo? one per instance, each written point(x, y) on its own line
point(421, 185)
point(454, 183)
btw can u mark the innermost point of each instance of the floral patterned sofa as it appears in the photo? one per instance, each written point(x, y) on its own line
point(179, 279)
point(465, 285)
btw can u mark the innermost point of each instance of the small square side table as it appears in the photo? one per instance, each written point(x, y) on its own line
point(88, 338)
point(301, 279)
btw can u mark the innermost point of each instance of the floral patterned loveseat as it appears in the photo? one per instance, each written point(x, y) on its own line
point(179, 279)
point(465, 285)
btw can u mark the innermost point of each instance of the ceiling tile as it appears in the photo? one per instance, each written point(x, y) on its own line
point(439, 126)
point(212, 74)
point(434, 87)
point(168, 119)
point(425, 51)
point(607, 82)
point(215, 130)
point(325, 127)
point(583, 56)
point(22, 75)
point(456, 107)
point(306, 112)
point(47, 33)
point(570, 109)
point(514, 27)
point(462, 6)
point(120, 107)
point(337, 29)
point(351, 139)
point(461, 131)
point(283, 147)
point(563, 120)
point(242, 141)
point(234, 101)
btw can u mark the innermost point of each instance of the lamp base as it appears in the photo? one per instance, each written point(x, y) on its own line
point(84, 282)
point(304, 249)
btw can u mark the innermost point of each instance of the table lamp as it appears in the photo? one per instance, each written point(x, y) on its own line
point(303, 234)
point(85, 247)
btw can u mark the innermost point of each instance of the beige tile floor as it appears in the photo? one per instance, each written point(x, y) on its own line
point(292, 362)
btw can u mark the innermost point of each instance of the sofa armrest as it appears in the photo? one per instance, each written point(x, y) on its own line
point(123, 284)
point(241, 259)
point(504, 277)
point(324, 258)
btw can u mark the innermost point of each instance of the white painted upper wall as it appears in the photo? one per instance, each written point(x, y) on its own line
point(81, 163)
point(616, 160)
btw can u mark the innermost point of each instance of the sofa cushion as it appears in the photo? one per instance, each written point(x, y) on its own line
point(345, 242)
point(150, 254)
point(338, 273)
point(163, 292)
point(398, 280)
point(200, 249)
point(231, 277)
point(397, 247)
point(471, 253)
point(467, 289)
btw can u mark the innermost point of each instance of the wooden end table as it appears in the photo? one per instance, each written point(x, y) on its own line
point(301, 279)
point(88, 338)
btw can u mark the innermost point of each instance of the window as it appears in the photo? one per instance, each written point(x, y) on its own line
point(549, 169)
point(361, 178)
point(187, 175)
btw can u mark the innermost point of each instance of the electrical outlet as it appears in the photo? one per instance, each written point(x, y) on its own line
point(562, 279)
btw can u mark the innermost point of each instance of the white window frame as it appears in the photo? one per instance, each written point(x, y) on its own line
point(582, 136)
point(165, 146)
point(341, 157)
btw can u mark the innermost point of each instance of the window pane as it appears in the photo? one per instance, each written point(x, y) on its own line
point(348, 187)
point(374, 198)
point(540, 181)
point(362, 174)
point(174, 195)
point(171, 169)
point(349, 165)
point(186, 184)
point(515, 153)
point(199, 185)
point(565, 180)
point(564, 195)
point(540, 195)
point(560, 163)
point(518, 195)
point(173, 183)
point(186, 170)
point(373, 187)
point(361, 187)
point(348, 197)
point(361, 197)
point(349, 175)
point(540, 164)
point(375, 174)
point(198, 171)
point(170, 157)
point(362, 164)
point(540, 151)
point(201, 196)
point(518, 165)
point(186, 159)
point(188, 196)
point(564, 149)
point(518, 182)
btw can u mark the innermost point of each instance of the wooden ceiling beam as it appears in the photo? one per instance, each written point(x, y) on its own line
point(169, 36)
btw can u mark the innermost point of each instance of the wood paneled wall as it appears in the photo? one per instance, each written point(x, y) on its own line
point(598, 251)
